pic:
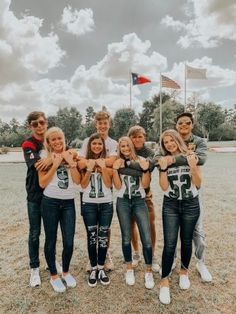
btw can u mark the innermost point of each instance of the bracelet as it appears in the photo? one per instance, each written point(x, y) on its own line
point(163, 170)
point(89, 170)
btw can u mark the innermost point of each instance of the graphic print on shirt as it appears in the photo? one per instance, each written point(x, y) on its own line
point(131, 186)
point(96, 186)
point(181, 186)
point(62, 175)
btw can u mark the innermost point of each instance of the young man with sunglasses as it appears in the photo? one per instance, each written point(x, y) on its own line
point(184, 126)
point(32, 147)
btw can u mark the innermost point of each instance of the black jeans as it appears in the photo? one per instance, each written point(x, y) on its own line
point(183, 215)
point(34, 215)
point(55, 211)
point(97, 220)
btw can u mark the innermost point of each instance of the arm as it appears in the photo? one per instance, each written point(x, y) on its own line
point(200, 151)
point(163, 179)
point(31, 153)
point(116, 177)
point(69, 156)
point(106, 172)
point(110, 161)
point(86, 176)
point(195, 171)
point(45, 177)
point(146, 178)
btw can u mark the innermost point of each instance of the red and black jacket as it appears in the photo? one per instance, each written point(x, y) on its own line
point(31, 148)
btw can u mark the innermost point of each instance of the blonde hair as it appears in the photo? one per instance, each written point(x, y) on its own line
point(178, 140)
point(51, 130)
point(102, 115)
point(135, 130)
point(131, 146)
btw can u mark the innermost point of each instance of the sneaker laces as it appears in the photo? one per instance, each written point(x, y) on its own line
point(102, 274)
point(93, 274)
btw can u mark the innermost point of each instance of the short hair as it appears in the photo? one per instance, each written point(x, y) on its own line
point(90, 154)
point(34, 115)
point(131, 145)
point(177, 138)
point(51, 130)
point(185, 114)
point(136, 129)
point(102, 115)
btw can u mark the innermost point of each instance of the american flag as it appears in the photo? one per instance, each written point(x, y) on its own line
point(169, 83)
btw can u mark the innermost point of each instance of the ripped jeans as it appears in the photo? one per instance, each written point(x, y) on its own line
point(97, 220)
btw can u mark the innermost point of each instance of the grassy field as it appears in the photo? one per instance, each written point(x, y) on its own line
point(220, 227)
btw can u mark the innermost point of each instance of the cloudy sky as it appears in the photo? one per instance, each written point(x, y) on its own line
point(58, 53)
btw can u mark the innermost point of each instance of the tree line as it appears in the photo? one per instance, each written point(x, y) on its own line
point(211, 122)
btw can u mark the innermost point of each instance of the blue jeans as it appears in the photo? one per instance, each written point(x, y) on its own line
point(55, 211)
point(183, 215)
point(199, 238)
point(126, 209)
point(34, 215)
point(97, 219)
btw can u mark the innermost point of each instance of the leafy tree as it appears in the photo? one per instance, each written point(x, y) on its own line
point(123, 120)
point(170, 109)
point(89, 126)
point(70, 121)
point(90, 114)
point(209, 117)
point(146, 118)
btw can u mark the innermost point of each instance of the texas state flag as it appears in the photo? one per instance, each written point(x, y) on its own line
point(138, 79)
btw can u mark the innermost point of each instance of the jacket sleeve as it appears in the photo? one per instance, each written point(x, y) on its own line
point(30, 153)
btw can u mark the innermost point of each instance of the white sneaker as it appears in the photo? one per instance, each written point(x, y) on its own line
point(57, 285)
point(35, 280)
point(149, 281)
point(204, 272)
point(184, 282)
point(136, 260)
point(70, 280)
point(129, 277)
point(164, 295)
point(155, 265)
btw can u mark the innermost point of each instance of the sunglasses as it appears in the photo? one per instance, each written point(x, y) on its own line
point(35, 124)
point(187, 122)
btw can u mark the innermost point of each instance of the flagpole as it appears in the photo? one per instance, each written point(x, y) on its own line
point(130, 90)
point(185, 80)
point(160, 104)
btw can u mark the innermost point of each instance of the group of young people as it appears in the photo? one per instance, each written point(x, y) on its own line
point(106, 170)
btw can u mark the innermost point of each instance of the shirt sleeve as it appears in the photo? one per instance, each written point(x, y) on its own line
point(113, 149)
point(30, 153)
point(83, 149)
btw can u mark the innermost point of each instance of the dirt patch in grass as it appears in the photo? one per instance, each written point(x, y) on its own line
point(220, 227)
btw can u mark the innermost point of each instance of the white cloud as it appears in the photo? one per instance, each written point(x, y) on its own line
point(131, 54)
point(24, 52)
point(208, 23)
point(106, 83)
point(77, 22)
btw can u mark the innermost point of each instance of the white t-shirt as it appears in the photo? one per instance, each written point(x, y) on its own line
point(111, 147)
point(180, 183)
point(96, 191)
point(61, 185)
